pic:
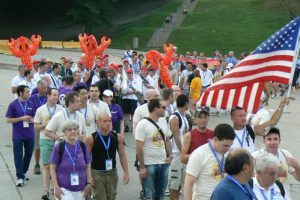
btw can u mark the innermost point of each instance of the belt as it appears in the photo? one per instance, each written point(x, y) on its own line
point(104, 171)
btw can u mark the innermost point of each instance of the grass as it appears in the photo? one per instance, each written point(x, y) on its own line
point(144, 27)
point(239, 25)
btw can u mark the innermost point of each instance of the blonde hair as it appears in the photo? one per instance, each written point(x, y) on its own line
point(69, 124)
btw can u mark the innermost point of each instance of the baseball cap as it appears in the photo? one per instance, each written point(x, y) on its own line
point(80, 62)
point(125, 60)
point(108, 93)
point(113, 66)
point(129, 70)
point(144, 68)
point(201, 111)
point(272, 130)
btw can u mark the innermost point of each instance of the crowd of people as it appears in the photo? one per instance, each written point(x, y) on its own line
point(74, 119)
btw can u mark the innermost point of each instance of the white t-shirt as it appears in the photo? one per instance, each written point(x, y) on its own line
point(206, 77)
point(55, 81)
point(260, 117)
point(204, 166)
point(247, 142)
point(38, 76)
point(140, 112)
point(284, 169)
point(95, 78)
point(183, 129)
point(151, 83)
point(258, 190)
point(101, 106)
point(15, 82)
point(154, 147)
point(130, 85)
point(59, 119)
point(91, 114)
point(31, 84)
point(185, 75)
point(42, 115)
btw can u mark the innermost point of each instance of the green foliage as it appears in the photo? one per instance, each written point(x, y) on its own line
point(226, 25)
point(91, 13)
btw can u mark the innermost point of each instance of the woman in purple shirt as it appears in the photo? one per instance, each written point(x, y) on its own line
point(70, 166)
point(117, 115)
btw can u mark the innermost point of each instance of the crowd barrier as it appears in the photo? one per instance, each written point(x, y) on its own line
point(44, 44)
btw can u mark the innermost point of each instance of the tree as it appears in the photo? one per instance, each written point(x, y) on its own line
point(91, 13)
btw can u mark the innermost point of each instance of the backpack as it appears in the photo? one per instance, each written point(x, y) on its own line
point(277, 182)
point(250, 132)
point(61, 149)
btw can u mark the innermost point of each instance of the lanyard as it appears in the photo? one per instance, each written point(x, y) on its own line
point(21, 78)
point(41, 102)
point(240, 186)
point(106, 146)
point(55, 80)
point(23, 108)
point(243, 136)
point(70, 156)
point(51, 113)
point(68, 114)
point(220, 162)
point(265, 196)
point(85, 112)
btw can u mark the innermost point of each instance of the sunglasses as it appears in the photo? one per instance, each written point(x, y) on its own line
point(163, 107)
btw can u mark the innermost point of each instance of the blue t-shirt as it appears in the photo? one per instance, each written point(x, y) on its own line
point(37, 101)
point(228, 190)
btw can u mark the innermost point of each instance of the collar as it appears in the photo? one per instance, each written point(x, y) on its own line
point(256, 184)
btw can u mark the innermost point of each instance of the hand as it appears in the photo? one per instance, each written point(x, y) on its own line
point(125, 179)
point(284, 101)
point(87, 190)
point(26, 118)
point(58, 192)
point(169, 159)
point(292, 162)
point(143, 172)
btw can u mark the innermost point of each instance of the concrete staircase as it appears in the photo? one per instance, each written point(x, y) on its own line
point(162, 34)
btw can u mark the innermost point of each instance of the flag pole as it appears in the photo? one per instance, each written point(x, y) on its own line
point(293, 69)
point(294, 64)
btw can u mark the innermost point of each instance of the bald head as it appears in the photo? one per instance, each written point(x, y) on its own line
point(151, 94)
point(104, 122)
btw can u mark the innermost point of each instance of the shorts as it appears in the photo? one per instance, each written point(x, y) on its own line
point(129, 106)
point(296, 76)
point(46, 150)
point(176, 174)
point(36, 140)
point(106, 185)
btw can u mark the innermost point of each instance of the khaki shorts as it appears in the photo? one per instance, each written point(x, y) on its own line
point(105, 185)
point(46, 150)
point(36, 140)
point(176, 174)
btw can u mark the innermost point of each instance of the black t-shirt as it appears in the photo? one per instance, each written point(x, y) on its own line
point(190, 78)
point(104, 84)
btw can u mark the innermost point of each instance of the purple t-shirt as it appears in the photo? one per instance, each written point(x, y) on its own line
point(116, 112)
point(16, 110)
point(65, 168)
point(34, 91)
point(37, 101)
point(62, 95)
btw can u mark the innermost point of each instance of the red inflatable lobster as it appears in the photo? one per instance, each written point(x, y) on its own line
point(154, 57)
point(89, 47)
point(24, 48)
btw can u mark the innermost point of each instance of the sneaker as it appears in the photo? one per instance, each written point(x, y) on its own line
point(37, 169)
point(126, 129)
point(141, 194)
point(167, 193)
point(20, 183)
point(26, 178)
point(45, 196)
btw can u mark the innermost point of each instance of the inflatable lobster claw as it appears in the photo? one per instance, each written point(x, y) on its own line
point(89, 46)
point(24, 48)
point(155, 58)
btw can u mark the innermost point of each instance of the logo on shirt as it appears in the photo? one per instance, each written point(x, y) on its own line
point(282, 172)
point(157, 139)
point(216, 172)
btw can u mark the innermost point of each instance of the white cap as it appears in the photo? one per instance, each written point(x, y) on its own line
point(108, 93)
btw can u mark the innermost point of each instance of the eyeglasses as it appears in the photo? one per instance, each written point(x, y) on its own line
point(72, 129)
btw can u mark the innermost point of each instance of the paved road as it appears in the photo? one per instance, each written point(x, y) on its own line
point(289, 125)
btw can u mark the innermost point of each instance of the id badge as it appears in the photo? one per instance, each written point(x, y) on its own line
point(74, 179)
point(108, 164)
point(25, 124)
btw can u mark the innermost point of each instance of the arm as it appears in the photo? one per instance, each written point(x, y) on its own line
point(140, 156)
point(259, 129)
point(51, 135)
point(133, 127)
point(122, 127)
point(184, 156)
point(53, 174)
point(88, 186)
point(40, 126)
point(89, 140)
point(174, 125)
point(13, 89)
point(169, 150)
point(188, 186)
point(18, 119)
point(293, 163)
point(123, 158)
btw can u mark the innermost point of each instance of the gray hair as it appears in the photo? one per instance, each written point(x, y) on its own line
point(265, 160)
point(42, 83)
point(21, 67)
point(69, 124)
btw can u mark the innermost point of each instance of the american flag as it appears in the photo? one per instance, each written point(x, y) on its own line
point(273, 60)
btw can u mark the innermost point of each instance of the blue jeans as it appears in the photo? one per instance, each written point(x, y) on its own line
point(154, 185)
point(22, 162)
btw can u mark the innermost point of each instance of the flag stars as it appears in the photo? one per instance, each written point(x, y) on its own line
point(291, 38)
point(290, 45)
